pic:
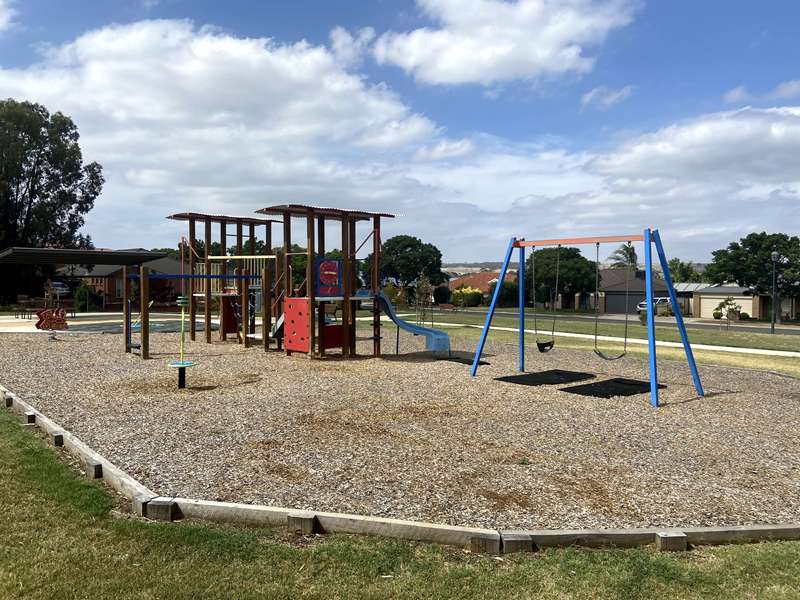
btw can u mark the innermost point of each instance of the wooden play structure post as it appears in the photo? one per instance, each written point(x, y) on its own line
point(266, 290)
point(223, 270)
point(353, 278)
point(245, 308)
point(376, 285)
point(126, 308)
point(347, 278)
point(310, 291)
point(192, 299)
point(144, 299)
point(207, 307)
point(321, 310)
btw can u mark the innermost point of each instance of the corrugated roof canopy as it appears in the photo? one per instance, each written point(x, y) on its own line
point(221, 218)
point(71, 256)
point(338, 214)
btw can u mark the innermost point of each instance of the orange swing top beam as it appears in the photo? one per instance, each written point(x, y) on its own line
point(603, 239)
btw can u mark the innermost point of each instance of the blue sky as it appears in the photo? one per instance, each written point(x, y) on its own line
point(476, 119)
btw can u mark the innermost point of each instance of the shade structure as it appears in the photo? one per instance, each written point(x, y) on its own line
point(71, 256)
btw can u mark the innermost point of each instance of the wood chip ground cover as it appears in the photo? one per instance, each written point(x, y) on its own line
point(415, 438)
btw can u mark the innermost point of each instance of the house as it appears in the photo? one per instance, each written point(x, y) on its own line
point(686, 294)
point(618, 284)
point(106, 280)
point(482, 281)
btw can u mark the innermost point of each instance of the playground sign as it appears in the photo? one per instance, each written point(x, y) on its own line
point(51, 319)
point(329, 277)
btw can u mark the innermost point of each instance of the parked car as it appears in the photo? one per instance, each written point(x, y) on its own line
point(660, 304)
point(60, 289)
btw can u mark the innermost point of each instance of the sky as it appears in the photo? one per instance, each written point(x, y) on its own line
point(472, 120)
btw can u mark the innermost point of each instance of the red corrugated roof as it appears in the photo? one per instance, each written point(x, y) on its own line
point(481, 281)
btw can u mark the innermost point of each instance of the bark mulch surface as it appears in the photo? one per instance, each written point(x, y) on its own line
point(413, 437)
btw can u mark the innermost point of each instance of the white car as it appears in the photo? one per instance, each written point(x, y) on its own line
point(660, 304)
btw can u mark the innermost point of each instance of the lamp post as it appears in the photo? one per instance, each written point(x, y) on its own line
point(774, 256)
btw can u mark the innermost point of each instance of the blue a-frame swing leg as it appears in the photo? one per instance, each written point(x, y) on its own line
point(673, 298)
point(521, 283)
point(651, 324)
point(490, 313)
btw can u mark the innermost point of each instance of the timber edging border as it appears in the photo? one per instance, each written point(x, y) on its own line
point(147, 503)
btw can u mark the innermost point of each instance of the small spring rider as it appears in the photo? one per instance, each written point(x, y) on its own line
point(181, 364)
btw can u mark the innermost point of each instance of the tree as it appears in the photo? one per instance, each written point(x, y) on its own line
point(509, 293)
point(45, 189)
point(684, 272)
point(404, 258)
point(748, 263)
point(624, 257)
point(575, 272)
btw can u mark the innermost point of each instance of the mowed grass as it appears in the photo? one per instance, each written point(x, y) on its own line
point(664, 332)
point(60, 537)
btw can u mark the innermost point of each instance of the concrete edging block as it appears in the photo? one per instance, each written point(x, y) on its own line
point(302, 523)
point(232, 512)
point(162, 509)
point(671, 541)
point(741, 534)
point(592, 538)
point(516, 541)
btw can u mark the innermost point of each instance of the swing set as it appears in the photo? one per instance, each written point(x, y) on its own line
point(651, 238)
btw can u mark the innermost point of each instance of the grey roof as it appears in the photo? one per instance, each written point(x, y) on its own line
point(618, 280)
point(301, 210)
point(689, 287)
point(726, 290)
point(72, 256)
point(165, 265)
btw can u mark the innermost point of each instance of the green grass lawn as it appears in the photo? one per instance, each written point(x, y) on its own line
point(61, 537)
point(665, 332)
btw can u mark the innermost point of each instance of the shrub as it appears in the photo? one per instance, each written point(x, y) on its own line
point(717, 314)
point(643, 317)
point(467, 296)
point(441, 294)
point(86, 299)
point(509, 293)
point(744, 316)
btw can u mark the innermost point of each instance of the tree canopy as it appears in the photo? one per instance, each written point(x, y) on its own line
point(624, 257)
point(45, 189)
point(575, 272)
point(748, 263)
point(684, 272)
point(404, 258)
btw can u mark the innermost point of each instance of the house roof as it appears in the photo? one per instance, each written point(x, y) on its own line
point(165, 265)
point(337, 214)
point(481, 281)
point(725, 290)
point(71, 256)
point(689, 287)
point(618, 280)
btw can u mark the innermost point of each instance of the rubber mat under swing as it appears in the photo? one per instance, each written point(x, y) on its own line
point(551, 377)
point(608, 388)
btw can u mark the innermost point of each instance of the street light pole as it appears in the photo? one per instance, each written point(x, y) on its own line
point(774, 256)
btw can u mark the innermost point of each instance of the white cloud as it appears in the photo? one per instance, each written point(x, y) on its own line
point(489, 41)
point(191, 118)
point(445, 149)
point(348, 49)
point(6, 15)
point(604, 98)
point(787, 90)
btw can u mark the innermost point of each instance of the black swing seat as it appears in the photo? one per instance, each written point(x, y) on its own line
point(545, 346)
point(606, 357)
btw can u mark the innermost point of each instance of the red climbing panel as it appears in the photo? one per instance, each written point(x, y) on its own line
point(295, 324)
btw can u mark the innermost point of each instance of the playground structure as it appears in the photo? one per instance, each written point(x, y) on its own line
point(650, 237)
point(294, 312)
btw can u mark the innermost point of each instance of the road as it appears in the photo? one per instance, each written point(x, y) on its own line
point(619, 319)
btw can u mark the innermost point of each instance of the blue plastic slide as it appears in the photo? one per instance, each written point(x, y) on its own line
point(435, 340)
